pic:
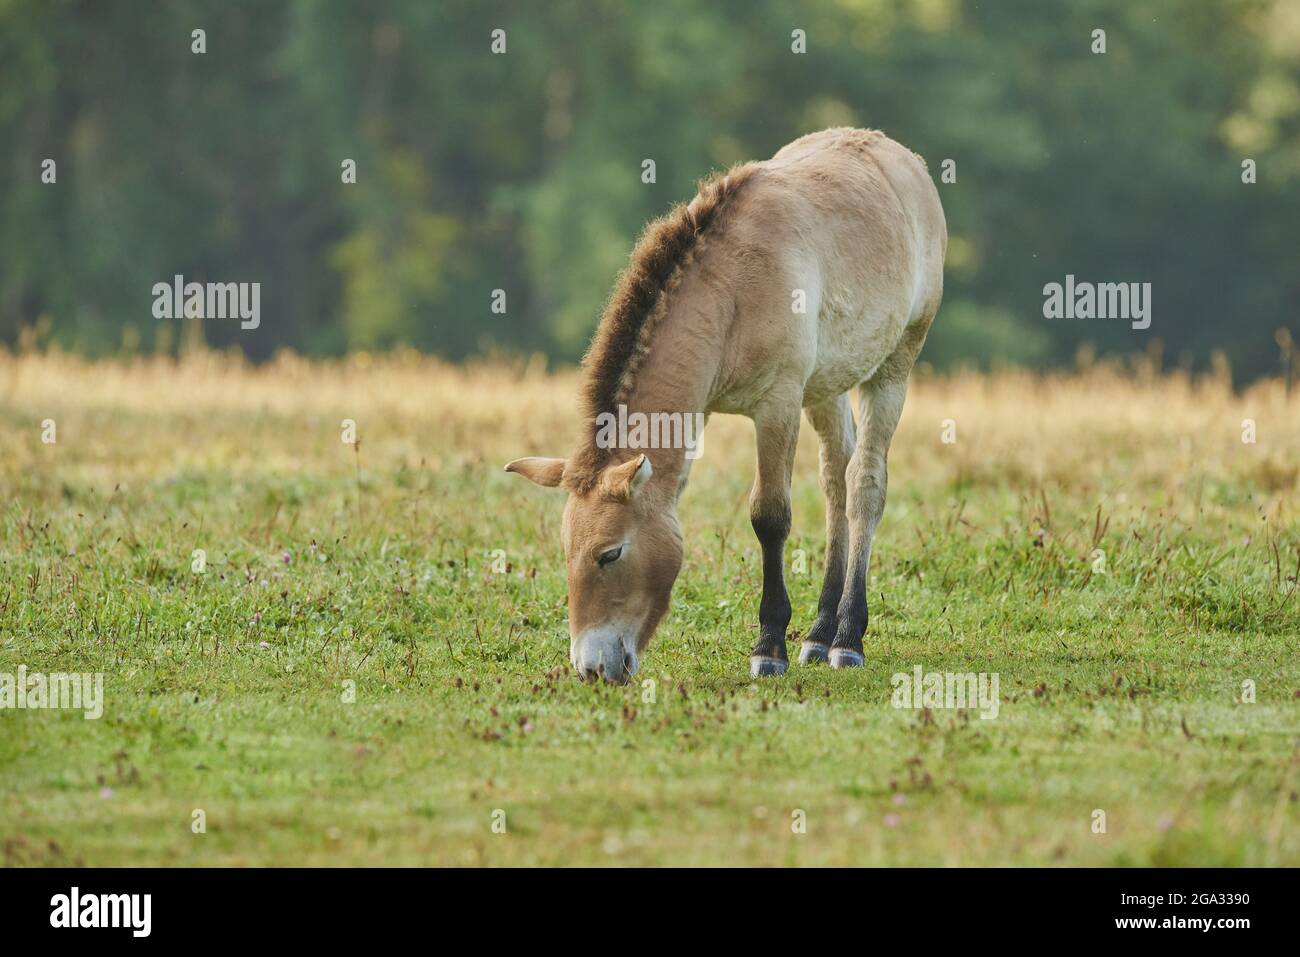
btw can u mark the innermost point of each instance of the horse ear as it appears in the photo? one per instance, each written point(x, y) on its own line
point(625, 480)
point(544, 472)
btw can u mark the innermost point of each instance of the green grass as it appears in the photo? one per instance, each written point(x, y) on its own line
point(225, 691)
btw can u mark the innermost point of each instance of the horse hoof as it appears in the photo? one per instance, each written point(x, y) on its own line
point(812, 651)
point(844, 658)
point(765, 666)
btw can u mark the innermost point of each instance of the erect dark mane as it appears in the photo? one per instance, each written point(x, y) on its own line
point(622, 339)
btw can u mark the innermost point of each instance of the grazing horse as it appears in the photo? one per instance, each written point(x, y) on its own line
point(781, 286)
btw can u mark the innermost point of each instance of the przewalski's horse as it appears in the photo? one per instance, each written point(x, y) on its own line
point(780, 287)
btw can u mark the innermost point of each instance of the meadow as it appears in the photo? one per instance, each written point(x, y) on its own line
point(330, 652)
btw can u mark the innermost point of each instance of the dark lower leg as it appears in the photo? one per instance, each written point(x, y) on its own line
point(822, 632)
point(867, 500)
point(851, 615)
point(772, 529)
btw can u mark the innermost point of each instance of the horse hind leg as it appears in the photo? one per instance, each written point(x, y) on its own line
point(833, 422)
point(880, 403)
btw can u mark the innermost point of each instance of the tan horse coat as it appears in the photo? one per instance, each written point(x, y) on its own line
point(783, 285)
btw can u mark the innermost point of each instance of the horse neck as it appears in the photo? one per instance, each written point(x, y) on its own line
point(677, 375)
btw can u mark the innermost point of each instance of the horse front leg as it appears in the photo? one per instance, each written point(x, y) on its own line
point(777, 431)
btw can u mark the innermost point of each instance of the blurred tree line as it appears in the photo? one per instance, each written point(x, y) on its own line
point(522, 171)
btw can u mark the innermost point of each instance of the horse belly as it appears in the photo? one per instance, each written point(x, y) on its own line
point(857, 330)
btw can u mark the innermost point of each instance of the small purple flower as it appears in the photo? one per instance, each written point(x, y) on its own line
point(287, 557)
point(1165, 822)
point(900, 800)
point(892, 820)
point(105, 793)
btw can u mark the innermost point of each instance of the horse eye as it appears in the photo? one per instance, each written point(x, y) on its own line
point(612, 555)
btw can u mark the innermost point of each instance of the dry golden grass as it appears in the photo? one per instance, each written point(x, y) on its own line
point(1105, 431)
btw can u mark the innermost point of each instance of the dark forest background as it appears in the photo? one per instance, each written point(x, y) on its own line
point(522, 171)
